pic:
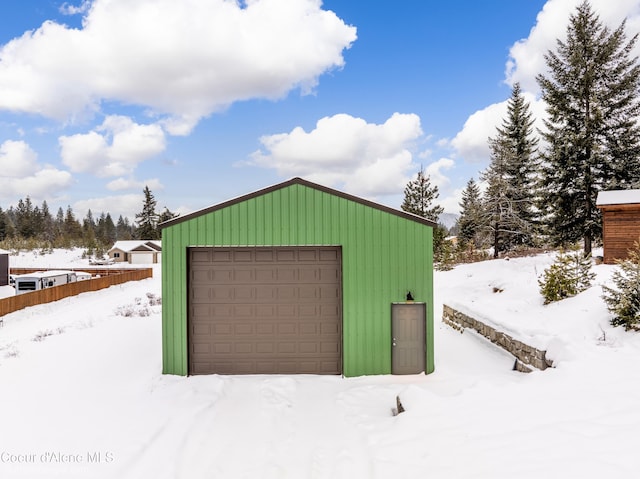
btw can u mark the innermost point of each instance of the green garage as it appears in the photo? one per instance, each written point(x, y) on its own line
point(297, 278)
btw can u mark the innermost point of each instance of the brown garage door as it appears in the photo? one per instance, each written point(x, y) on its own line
point(265, 310)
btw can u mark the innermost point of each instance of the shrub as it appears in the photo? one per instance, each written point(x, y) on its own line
point(623, 301)
point(569, 275)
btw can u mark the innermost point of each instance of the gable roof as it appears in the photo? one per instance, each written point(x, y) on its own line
point(137, 245)
point(618, 197)
point(308, 184)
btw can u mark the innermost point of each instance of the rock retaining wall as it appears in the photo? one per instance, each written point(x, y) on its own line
point(526, 356)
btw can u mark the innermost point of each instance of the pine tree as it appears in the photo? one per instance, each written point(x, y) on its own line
point(166, 215)
point(471, 216)
point(124, 231)
point(623, 301)
point(147, 219)
point(72, 228)
point(48, 227)
point(110, 234)
point(58, 224)
point(499, 218)
point(419, 197)
point(569, 275)
point(592, 132)
point(89, 232)
point(511, 177)
point(3, 225)
point(25, 219)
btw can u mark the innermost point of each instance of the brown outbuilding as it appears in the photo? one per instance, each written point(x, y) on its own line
point(620, 222)
point(4, 268)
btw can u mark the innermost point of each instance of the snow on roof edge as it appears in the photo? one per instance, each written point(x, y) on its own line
point(618, 197)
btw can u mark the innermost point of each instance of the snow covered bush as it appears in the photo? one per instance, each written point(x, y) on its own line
point(154, 300)
point(140, 307)
point(623, 301)
point(569, 275)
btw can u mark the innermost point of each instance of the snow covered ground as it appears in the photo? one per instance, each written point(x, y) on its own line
point(82, 396)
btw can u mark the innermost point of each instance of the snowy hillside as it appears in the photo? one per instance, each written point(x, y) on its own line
point(83, 396)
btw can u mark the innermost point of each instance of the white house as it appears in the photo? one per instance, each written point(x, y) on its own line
point(136, 251)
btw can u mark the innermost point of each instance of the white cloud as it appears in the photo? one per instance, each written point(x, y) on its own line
point(365, 158)
point(436, 174)
point(17, 159)
point(67, 9)
point(451, 202)
point(122, 184)
point(527, 55)
point(115, 148)
point(125, 205)
point(21, 175)
point(184, 58)
point(471, 143)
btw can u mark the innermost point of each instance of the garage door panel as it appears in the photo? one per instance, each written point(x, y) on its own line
point(243, 311)
point(284, 255)
point(284, 311)
point(266, 294)
point(222, 329)
point(311, 329)
point(287, 274)
point(202, 330)
point(265, 329)
point(201, 348)
point(308, 310)
point(219, 256)
point(243, 329)
point(265, 310)
point(329, 255)
point(200, 256)
point(265, 255)
point(265, 275)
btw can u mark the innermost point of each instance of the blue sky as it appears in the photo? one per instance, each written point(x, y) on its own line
point(205, 100)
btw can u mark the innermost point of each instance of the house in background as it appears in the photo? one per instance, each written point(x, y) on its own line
point(136, 251)
point(4, 267)
point(297, 278)
point(620, 222)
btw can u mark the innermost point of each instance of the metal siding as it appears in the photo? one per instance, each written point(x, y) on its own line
point(383, 256)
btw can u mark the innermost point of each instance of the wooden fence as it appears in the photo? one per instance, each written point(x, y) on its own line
point(90, 269)
point(55, 293)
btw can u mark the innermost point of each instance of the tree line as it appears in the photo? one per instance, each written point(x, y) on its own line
point(34, 226)
point(545, 194)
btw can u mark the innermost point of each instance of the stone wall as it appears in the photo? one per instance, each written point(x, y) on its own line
point(526, 356)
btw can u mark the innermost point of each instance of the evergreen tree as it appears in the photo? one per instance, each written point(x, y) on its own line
point(511, 193)
point(58, 224)
point(124, 231)
point(147, 219)
point(47, 224)
point(569, 275)
point(166, 215)
point(25, 219)
point(592, 132)
point(89, 232)
point(3, 225)
point(500, 220)
point(419, 197)
point(471, 216)
point(623, 301)
point(109, 236)
point(72, 228)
